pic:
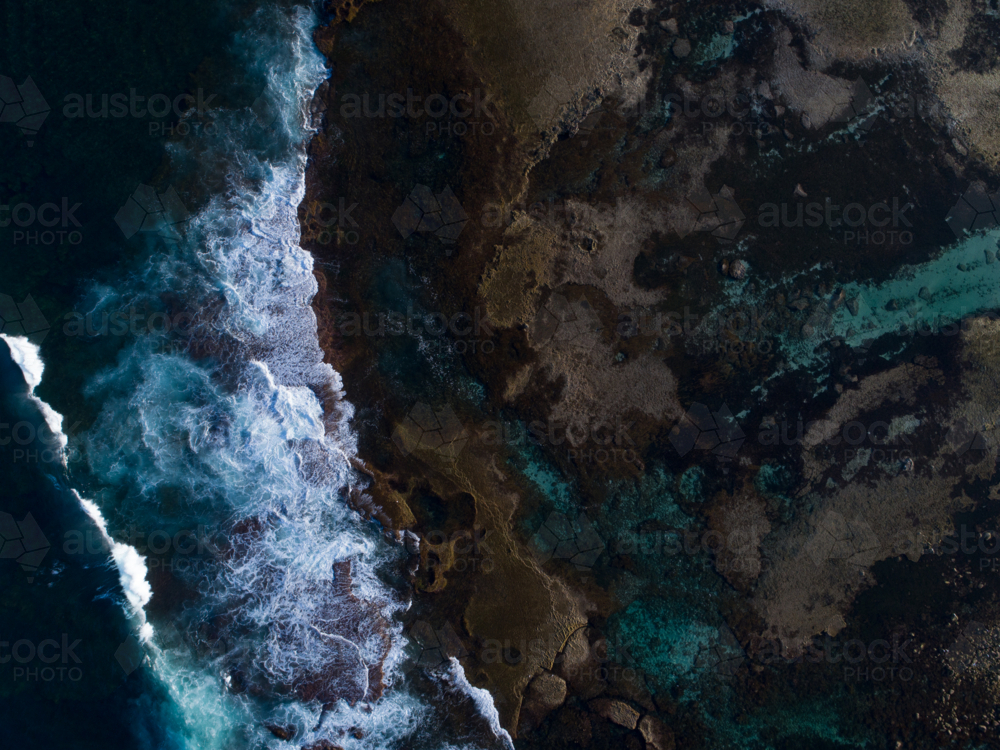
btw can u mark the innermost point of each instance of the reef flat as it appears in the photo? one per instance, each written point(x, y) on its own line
point(671, 334)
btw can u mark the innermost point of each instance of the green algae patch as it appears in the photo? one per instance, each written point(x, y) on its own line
point(814, 724)
point(716, 49)
point(651, 498)
point(666, 639)
point(775, 482)
point(692, 485)
point(548, 482)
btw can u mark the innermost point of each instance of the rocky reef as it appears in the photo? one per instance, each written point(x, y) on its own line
point(671, 333)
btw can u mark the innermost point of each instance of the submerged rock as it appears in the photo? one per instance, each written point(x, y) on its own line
point(282, 733)
point(545, 694)
point(658, 735)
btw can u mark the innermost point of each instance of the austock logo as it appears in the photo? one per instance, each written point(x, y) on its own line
point(49, 660)
point(23, 106)
point(561, 323)
point(157, 107)
point(701, 428)
point(962, 437)
point(440, 215)
point(459, 114)
point(23, 542)
point(587, 442)
point(22, 319)
point(266, 108)
point(320, 217)
point(718, 214)
point(130, 655)
point(426, 429)
point(561, 538)
point(838, 538)
point(178, 551)
point(31, 443)
point(149, 211)
point(975, 211)
point(859, 108)
point(430, 647)
point(879, 660)
point(459, 551)
point(723, 654)
point(860, 218)
point(49, 217)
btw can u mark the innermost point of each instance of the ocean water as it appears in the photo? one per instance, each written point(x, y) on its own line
point(195, 512)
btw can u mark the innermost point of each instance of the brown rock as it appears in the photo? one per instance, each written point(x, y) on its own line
point(741, 522)
point(682, 48)
point(668, 158)
point(580, 667)
point(576, 652)
point(799, 304)
point(658, 736)
point(282, 733)
point(548, 690)
point(616, 711)
point(545, 694)
point(322, 745)
point(670, 25)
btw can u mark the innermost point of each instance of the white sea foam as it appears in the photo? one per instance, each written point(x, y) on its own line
point(26, 356)
point(296, 407)
point(244, 444)
point(131, 565)
point(482, 699)
point(131, 570)
point(240, 442)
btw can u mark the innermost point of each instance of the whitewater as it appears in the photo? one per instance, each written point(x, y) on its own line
point(285, 624)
